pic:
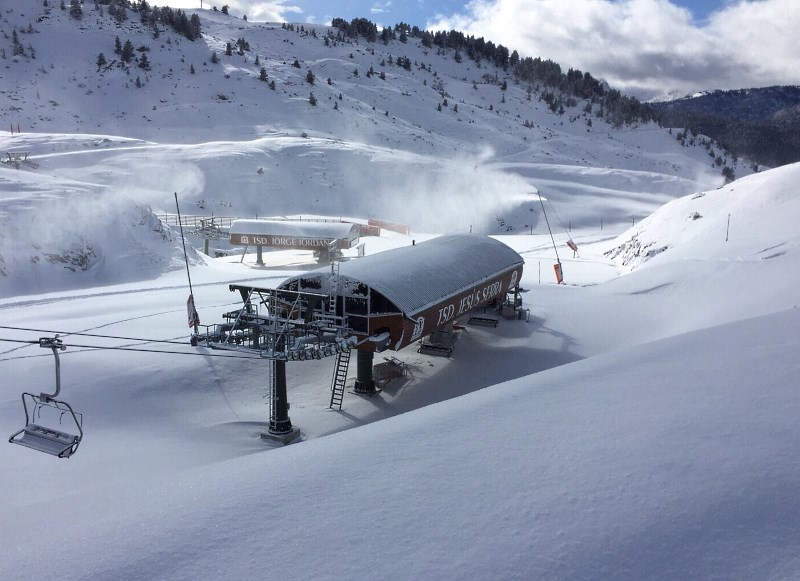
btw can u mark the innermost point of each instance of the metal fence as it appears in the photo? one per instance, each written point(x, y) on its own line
point(192, 222)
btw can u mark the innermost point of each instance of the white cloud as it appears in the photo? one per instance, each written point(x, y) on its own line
point(272, 11)
point(646, 47)
point(256, 10)
point(381, 7)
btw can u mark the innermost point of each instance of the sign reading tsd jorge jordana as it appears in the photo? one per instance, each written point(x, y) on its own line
point(280, 241)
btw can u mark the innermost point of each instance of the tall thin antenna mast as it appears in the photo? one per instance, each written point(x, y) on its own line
point(194, 319)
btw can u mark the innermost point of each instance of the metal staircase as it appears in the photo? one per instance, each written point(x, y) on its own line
point(339, 378)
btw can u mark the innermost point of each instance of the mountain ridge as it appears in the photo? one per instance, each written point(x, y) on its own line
point(761, 123)
point(398, 131)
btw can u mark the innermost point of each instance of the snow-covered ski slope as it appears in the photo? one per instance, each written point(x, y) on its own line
point(641, 425)
point(230, 145)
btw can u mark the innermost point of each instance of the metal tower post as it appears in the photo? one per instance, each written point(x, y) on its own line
point(279, 422)
point(365, 383)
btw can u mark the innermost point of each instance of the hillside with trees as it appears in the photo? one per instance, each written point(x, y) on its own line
point(762, 124)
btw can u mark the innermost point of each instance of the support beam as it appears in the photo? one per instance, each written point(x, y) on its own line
point(365, 383)
point(259, 257)
point(280, 426)
point(279, 422)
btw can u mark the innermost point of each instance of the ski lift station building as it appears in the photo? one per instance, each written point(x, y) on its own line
point(382, 301)
point(393, 298)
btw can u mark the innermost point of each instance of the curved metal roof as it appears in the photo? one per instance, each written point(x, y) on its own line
point(416, 277)
point(293, 228)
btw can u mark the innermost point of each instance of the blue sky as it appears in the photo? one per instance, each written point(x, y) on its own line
point(390, 12)
point(419, 12)
point(648, 48)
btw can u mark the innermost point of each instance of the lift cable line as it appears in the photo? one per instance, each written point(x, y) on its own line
point(81, 334)
point(123, 348)
point(84, 333)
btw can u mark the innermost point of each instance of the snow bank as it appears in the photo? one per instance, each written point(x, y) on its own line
point(753, 218)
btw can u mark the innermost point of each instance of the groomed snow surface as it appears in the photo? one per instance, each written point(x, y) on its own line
point(642, 427)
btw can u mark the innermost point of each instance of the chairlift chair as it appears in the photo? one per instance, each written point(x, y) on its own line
point(39, 436)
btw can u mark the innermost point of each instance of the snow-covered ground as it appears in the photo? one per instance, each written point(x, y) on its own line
point(638, 426)
point(642, 424)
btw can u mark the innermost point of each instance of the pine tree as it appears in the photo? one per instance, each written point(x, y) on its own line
point(194, 27)
point(138, 83)
point(143, 62)
point(729, 174)
point(258, 62)
point(191, 69)
point(228, 49)
point(310, 77)
point(272, 84)
point(75, 10)
point(127, 51)
point(263, 75)
point(18, 49)
point(312, 99)
point(214, 57)
point(101, 61)
point(117, 46)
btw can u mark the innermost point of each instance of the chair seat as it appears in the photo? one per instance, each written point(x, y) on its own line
point(48, 440)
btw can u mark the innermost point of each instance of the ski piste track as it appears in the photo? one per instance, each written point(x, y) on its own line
point(50, 300)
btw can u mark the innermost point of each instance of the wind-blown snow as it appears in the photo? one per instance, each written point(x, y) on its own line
point(641, 424)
